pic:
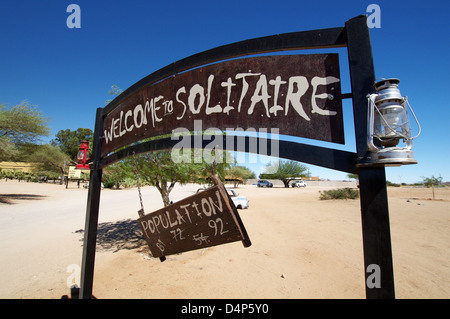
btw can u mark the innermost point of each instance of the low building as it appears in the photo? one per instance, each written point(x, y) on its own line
point(17, 167)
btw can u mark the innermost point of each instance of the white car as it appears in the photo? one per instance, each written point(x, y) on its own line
point(299, 184)
point(240, 202)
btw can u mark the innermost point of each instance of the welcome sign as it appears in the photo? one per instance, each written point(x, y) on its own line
point(288, 92)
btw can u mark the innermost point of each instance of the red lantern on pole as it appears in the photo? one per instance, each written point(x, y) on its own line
point(82, 155)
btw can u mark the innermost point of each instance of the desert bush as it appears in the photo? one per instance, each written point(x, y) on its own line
point(129, 182)
point(388, 183)
point(109, 183)
point(341, 193)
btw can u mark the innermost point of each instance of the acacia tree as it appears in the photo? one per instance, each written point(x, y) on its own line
point(115, 90)
point(50, 161)
point(115, 174)
point(432, 182)
point(158, 169)
point(238, 173)
point(69, 141)
point(285, 170)
point(19, 125)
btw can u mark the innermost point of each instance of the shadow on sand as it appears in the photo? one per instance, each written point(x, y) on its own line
point(9, 198)
point(123, 234)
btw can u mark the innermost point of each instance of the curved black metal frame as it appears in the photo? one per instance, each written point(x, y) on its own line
point(373, 194)
point(315, 39)
point(320, 156)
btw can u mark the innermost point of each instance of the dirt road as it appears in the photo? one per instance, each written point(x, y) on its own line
point(301, 247)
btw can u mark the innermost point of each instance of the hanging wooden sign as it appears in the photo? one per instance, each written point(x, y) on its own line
point(205, 219)
point(288, 92)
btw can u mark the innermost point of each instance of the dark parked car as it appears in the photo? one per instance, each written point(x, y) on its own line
point(264, 183)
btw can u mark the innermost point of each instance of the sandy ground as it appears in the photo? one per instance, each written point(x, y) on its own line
point(301, 247)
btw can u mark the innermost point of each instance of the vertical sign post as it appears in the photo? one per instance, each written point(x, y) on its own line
point(92, 209)
point(372, 181)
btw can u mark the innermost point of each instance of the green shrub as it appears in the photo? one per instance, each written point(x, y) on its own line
point(388, 183)
point(129, 182)
point(108, 183)
point(341, 193)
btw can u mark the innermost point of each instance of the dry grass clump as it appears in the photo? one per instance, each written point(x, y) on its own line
point(341, 193)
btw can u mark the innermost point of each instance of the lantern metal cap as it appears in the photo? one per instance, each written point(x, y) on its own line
point(389, 157)
point(384, 83)
point(387, 89)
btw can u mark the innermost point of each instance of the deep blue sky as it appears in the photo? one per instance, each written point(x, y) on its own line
point(67, 73)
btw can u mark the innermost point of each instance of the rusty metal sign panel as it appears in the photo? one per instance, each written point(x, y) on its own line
point(288, 92)
point(205, 219)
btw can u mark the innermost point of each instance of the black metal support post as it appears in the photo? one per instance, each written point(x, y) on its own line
point(372, 180)
point(376, 234)
point(93, 203)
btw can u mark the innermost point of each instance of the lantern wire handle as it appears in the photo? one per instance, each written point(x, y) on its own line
point(417, 121)
point(405, 101)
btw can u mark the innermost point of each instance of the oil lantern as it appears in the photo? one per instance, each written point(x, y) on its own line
point(82, 156)
point(389, 138)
